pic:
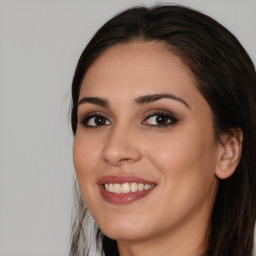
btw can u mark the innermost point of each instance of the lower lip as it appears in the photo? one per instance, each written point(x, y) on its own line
point(125, 198)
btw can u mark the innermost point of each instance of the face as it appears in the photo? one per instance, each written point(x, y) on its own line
point(144, 149)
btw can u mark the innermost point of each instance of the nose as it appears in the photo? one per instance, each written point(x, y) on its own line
point(122, 147)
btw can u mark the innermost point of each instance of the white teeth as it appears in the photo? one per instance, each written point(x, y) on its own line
point(117, 188)
point(146, 187)
point(126, 187)
point(110, 187)
point(134, 187)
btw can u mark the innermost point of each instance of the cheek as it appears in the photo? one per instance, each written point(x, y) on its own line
point(86, 153)
point(187, 161)
point(85, 157)
point(188, 182)
point(81, 155)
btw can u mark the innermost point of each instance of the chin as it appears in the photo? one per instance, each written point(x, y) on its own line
point(124, 231)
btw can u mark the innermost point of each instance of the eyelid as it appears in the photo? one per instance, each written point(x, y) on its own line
point(86, 116)
point(158, 112)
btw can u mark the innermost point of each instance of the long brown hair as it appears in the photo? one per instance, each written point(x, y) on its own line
point(225, 77)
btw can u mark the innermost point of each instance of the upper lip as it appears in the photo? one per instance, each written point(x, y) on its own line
point(123, 179)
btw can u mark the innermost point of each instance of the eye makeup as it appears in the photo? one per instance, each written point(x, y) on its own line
point(94, 120)
point(156, 118)
point(160, 118)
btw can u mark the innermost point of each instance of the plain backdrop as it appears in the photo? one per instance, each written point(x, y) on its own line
point(40, 43)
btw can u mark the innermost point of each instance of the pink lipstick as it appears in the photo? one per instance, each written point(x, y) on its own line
point(124, 189)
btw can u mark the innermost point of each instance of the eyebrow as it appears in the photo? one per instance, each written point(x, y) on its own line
point(94, 100)
point(155, 97)
point(138, 101)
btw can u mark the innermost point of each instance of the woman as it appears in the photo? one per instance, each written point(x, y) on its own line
point(164, 121)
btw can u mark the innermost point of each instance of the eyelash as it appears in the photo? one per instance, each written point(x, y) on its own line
point(85, 119)
point(166, 114)
point(172, 119)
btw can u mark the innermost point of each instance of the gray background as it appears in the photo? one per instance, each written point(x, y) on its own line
point(40, 42)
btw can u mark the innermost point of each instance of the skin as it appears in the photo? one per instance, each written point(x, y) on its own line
point(182, 158)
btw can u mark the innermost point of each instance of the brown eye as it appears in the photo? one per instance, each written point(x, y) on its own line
point(160, 120)
point(95, 121)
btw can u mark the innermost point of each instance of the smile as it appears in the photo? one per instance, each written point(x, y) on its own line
point(124, 189)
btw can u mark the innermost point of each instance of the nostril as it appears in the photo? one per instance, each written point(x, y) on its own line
point(118, 161)
point(126, 160)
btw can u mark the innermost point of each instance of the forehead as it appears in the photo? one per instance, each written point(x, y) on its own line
point(137, 68)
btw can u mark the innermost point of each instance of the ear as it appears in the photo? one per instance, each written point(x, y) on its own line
point(229, 153)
